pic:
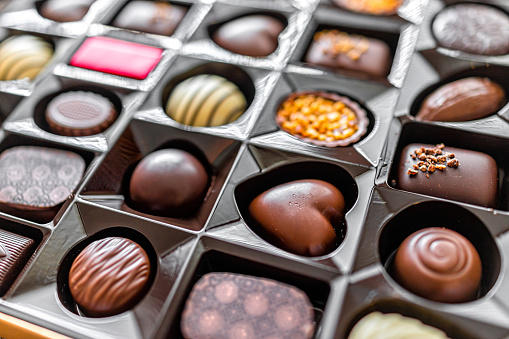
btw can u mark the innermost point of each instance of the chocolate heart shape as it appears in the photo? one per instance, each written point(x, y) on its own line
point(300, 216)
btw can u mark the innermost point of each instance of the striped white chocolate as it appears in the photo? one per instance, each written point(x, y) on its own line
point(23, 56)
point(206, 100)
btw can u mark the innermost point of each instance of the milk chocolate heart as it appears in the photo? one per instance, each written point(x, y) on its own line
point(300, 216)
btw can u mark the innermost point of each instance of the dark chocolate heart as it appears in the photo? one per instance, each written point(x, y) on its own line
point(300, 216)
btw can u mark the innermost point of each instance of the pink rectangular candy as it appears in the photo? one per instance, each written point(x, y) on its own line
point(117, 57)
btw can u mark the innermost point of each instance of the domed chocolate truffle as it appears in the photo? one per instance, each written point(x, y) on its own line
point(168, 182)
point(438, 264)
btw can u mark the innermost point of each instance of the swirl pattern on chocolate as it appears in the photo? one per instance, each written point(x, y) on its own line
point(438, 264)
point(109, 276)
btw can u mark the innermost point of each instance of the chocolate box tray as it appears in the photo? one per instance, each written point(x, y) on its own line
point(245, 158)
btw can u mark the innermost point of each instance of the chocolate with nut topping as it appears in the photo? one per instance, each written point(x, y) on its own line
point(475, 181)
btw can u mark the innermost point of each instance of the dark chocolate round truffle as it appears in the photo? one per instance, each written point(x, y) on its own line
point(65, 10)
point(253, 35)
point(168, 182)
point(80, 113)
point(438, 264)
point(473, 28)
point(300, 216)
point(109, 276)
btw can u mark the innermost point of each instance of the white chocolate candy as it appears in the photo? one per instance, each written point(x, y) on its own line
point(393, 326)
point(206, 100)
point(23, 56)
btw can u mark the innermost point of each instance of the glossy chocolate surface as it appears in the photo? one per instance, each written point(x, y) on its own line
point(65, 11)
point(338, 50)
point(253, 35)
point(474, 181)
point(438, 264)
point(168, 182)
point(156, 17)
point(80, 113)
point(15, 250)
point(462, 100)
point(473, 28)
point(226, 305)
point(301, 216)
point(109, 276)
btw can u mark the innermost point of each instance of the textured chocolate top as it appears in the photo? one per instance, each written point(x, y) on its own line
point(474, 180)
point(473, 28)
point(65, 10)
point(38, 177)
point(301, 216)
point(15, 250)
point(80, 113)
point(338, 50)
point(253, 35)
point(438, 264)
point(156, 17)
point(226, 305)
point(109, 276)
point(374, 7)
point(462, 100)
point(168, 182)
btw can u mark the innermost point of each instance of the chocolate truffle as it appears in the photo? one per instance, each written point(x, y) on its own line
point(449, 173)
point(206, 100)
point(109, 276)
point(373, 7)
point(462, 100)
point(117, 57)
point(252, 35)
point(301, 216)
point(473, 28)
point(226, 305)
point(438, 264)
point(377, 325)
point(323, 119)
point(154, 17)
point(168, 182)
point(23, 56)
point(65, 10)
point(37, 179)
point(15, 250)
point(350, 53)
point(79, 113)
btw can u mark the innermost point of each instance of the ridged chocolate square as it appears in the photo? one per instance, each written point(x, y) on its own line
point(15, 250)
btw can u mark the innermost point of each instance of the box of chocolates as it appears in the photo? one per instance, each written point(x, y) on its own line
point(254, 168)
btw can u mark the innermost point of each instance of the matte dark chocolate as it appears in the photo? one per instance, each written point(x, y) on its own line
point(322, 118)
point(253, 35)
point(462, 100)
point(353, 53)
point(168, 182)
point(301, 216)
point(80, 113)
point(38, 178)
point(109, 276)
point(226, 305)
point(65, 10)
point(15, 250)
point(473, 181)
point(473, 28)
point(438, 264)
point(373, 7)
point(156, 17)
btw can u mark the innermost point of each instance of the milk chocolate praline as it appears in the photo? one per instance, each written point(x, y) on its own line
point(438, 264)
point(168, 182)
point(301, 216)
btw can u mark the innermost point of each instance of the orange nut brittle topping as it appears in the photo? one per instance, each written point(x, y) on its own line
point(432, 159)
point(353, 46)
point(325, 119)
point(375, 7)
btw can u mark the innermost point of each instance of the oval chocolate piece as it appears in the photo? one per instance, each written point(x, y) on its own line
point(462, 100)
point(300, 216)
point(226, 305)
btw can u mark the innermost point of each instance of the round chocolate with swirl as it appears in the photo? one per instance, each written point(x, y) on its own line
point(109, 276)
point(438, 264)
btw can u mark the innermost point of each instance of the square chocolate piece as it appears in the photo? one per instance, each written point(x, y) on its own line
point(450, 173)
point(15, 250)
